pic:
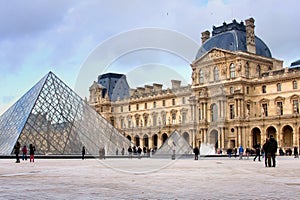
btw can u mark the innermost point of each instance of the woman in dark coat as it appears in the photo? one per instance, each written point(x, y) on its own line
point(17, 151)
point(31, 152)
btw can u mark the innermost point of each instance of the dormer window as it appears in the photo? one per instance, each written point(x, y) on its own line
point(232, 70)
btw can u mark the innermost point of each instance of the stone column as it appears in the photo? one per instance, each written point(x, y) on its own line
point(142, 141)
point(220, 138)
point(205, 135)
point(236, 108)
point(240, 136)
point(223, 137)
point(295, 138)
point(150, 142)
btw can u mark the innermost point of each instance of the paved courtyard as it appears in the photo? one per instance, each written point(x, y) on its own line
point(149, 178)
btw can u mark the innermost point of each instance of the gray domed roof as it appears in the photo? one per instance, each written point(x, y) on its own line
point(295, 64)
point(232, 37)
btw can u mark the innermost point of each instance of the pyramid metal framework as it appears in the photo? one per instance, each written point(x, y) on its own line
point(57, 121)
point(174, 142)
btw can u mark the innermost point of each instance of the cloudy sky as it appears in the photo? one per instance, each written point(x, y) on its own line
point(78, 40)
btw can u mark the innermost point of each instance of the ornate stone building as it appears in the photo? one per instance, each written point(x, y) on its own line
point(239, 95)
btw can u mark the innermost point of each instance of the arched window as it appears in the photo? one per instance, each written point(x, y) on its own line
point(247, 70)
point(201, 78)
point(232, 70)
point(214, 112)
point(216, 73)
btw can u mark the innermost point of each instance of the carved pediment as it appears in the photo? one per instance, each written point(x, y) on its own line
point(278, 99)
point(213, 54)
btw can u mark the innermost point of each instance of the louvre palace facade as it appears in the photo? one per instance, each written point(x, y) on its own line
point(239, 95)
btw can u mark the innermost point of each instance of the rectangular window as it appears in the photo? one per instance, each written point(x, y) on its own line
point(121, 108)
point(129, 108)
point(145, 105)
point(173, 102)
point(154, 104)
point(164, 102)
point(247, 110)
point(112, 109)
point(154, 120)
point(265, 109)
point(278, 87)
point(231, 111)
point(164, 118)
point(295, 85)
point(264, 89)
point(279, 108)
point(122, 123)
point(183, 118)
point(137, 106)
point(296, 106)
point(247, 90)
point(183, 100)
point(173, 118)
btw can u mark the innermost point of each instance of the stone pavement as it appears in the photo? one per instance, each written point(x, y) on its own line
point(149, 178)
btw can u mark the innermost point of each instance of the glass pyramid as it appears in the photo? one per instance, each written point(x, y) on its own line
point(57, 121)
point(177, 142)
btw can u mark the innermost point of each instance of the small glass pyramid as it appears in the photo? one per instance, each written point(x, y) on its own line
point(57, 121)
point(174, 142)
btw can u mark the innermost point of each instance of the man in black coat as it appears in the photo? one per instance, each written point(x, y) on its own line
point(257, 152)
point(271, 151)
point(196, 152)
point(265, 148)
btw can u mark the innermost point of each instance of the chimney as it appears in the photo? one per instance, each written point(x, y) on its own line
point(250, 36)
point(175, 84)
point(205, 36)
point(140, 90)
point(148, 88)
point(157, 87)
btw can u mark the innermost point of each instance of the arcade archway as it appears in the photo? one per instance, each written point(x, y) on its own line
point(287, 136)
point(213, 138)
point(186, 136)
point(256, 136)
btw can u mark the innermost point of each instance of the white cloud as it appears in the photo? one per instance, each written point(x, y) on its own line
point(38, 36)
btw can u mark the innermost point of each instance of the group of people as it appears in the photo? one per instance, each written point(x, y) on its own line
point(269, 150)
point(289, 152)
point(136, 151)
point(24, 152)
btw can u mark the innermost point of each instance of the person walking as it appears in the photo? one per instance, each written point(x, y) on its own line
point(296, 154)
point(130, 152)
point(265, 149)
point(257, 152)
point(83, 152)
point(235, 152)
point(31, 152)
point(241, 151)
point(272, 149)
point(139, 151)
point(17, 151)
point(103, 153)
point(24, 151)
point(123, 151)
point(196, 152)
